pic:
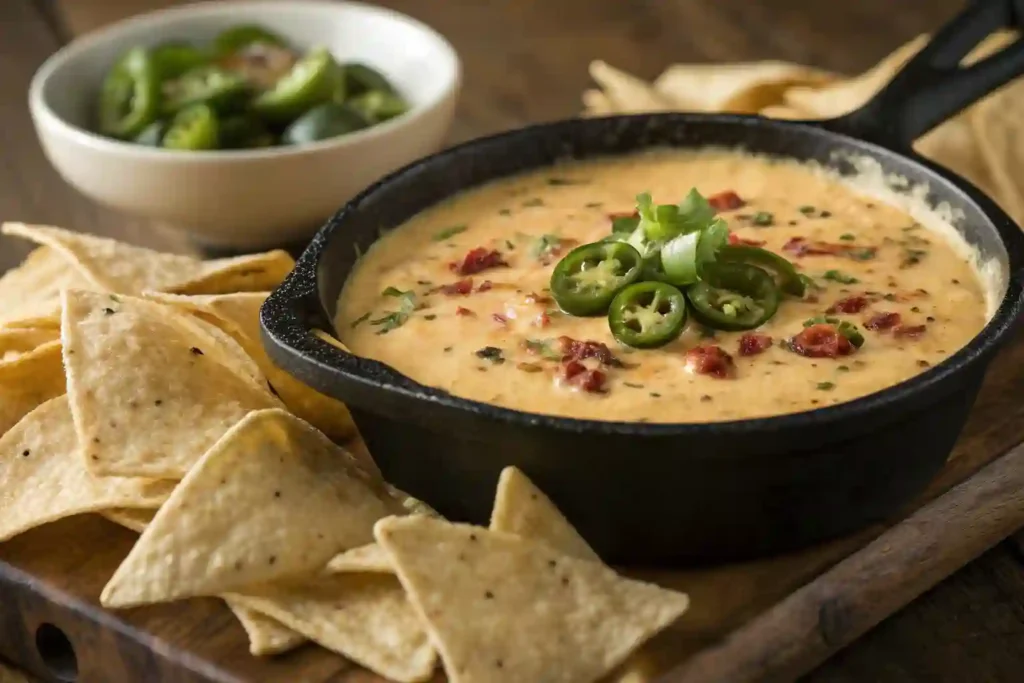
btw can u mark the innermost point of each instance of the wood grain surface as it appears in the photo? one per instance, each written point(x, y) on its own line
point(525, 61)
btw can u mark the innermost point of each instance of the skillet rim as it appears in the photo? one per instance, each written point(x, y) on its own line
point(308, 349)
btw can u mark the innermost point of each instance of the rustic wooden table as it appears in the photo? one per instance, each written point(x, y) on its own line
point(526, 60)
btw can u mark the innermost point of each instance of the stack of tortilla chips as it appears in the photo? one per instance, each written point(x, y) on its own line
point(984, 144)
point(133, 385)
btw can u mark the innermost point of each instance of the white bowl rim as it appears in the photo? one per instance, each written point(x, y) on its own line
point(83, 136)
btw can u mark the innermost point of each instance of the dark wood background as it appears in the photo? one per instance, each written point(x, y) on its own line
point(526, 60)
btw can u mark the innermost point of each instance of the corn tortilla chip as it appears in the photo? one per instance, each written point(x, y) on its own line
point(742, 87)
point(367, 558)
point(574, 620)
point(782, 111)
point(997, 127)
point(238, 315)
point(28, 381)
point(42, 478)
point(363, 616)
point(267, 636)
point(596, 103)
point(16, 342)
point(151, 390)
point(628, 94)
point(522, 509)
point(130, 518)
point(271, 500)
point(32, 290)
point(125, 269)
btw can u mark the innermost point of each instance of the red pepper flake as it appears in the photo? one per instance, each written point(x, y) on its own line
point(883, 321)
point(542, 320)
point(821, 341)
point(709, 359)
point(461, 310)
point(799, 246)
point(575, 350)
point(909, 331)
point(726, 201)
point(485, 286)
point(534, 298)
point(851, 304)
point(458, 288)
point(736, 239)
point(499, 318)
point(752, 344)
point(478, 260)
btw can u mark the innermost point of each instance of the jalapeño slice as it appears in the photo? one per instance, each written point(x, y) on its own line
point(193, 128)
point(323, 122)
point(360, 78)
point(238, 37)
point(130, 96)
point(788, 279)
point(174, 58)
point(646, 315)
point(734, 296)
point(586, 280)
point(309, 83)
point(215, 87)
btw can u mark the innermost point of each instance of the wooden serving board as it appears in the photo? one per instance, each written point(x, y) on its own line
point(769, 620)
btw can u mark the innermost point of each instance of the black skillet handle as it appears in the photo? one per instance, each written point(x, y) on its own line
point(933, 87)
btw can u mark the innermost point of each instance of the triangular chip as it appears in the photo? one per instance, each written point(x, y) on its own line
point(626, 93)
point(239, 315)
point(741, 87)
point(151, 389)
point(573, 620)
point(273, 499)
point(367, 558)
point(364, 617)
point(997, 127)
point(596, 103)
point(32, 290)
point(266, 636)
point(522, 509)
point(28, 381)
point(125, 269)
point(17, 342)
point(42, 479)
point(130, 518)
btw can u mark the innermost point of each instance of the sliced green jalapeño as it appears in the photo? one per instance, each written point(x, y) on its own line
point(734, 296)
point(646, 315)
point(788, 279)
point(130, 97)
point(586, 280)
point(309, 83)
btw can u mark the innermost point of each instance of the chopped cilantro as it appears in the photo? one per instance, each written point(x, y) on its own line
point(632, 385)
point(449, 232)
point(806, 209)
point(505, 212)
point(763, 219)
point(545, 245)
point(840, 276)
point(396, 319)
point(826, 386)
point(556, 182)
point(491, 353)
point(848, 237)
point(360, 320)
point(544, 348)
point(861, 254)
point(843, 368)
point(536, 201)
point(593, 205)
point(911, 257)
point(509, 245)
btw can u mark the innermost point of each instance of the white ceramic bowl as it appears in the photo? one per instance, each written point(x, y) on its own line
point(247, 199)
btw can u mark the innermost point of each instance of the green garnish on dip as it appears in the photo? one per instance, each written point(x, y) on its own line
point(668, 261)
point(256, 90)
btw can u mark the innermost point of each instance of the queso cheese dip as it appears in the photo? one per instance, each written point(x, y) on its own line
point(459, 297)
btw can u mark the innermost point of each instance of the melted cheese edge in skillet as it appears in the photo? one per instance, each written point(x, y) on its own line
point(437, 347)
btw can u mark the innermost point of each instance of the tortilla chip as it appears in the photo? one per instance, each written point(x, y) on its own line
point(124, 269)
point(28, 381)
point(151, 390)
point(742, 87)
point(32, 290)
point(364, 617)
point(572, 616)
point(782, 111)
point(130, 518)
point(272, 499)
point(596, 103)
point(42, 478)
point(368, 558)
point(998, 128)
point(628, 94)
point(522, 509)
point(267, 636)
point(239, 316)
point(16, 342)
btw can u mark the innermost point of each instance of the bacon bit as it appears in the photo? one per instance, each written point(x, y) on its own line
point(485, 286)
point(574, 350)
point(799, 246)
point(542, 320)
point(477, 260)
point(725, 201)
point(709, 359)
point(573, 368)
point(881, 322)
point(592, 381)
point(458, 288)
point(736, 239)
point(534, 298)
point(909, 331)
point(821, 341)
point(851, 304)
point(752, 344)
point(463, 311)
point(499, 318)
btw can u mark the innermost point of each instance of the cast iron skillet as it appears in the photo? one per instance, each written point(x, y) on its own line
point(669, 493)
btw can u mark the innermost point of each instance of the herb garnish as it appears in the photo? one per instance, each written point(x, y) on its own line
point(847, 329)
point(806, 209)
point(449, 232)
point(491, 353)
point(632, 385)
point(360, 320)
point(545, 246)
point(544, 348)
point(848, 237)
point(536, 201)
point(556, 182)
point(840, 276)
point(861, 253)
point(396, 319)
point(593, 205)
point(505, 212)
point(911, 257)
point(763, 219)
point(826, 386)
